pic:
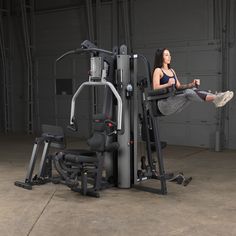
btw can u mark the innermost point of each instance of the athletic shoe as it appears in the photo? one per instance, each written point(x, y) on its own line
point(222, 98)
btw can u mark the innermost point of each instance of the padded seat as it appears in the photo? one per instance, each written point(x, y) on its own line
point(79, 169)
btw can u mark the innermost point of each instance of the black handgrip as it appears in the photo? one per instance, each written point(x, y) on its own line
point(74, 126)
point(173, 88)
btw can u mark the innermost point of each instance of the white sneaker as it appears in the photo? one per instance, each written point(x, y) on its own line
point(222, 98)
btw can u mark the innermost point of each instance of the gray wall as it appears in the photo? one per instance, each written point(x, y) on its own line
point(232, 82)
point(191, 29)
point(56, 33)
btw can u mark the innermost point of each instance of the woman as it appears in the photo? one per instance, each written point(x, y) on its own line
point(164, 77)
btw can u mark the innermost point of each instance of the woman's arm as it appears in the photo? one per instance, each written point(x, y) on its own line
point(157, 75)
point(183, 86)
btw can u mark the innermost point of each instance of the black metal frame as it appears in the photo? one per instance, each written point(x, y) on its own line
point(52, 136)
point(149, 104)
point(79, 168)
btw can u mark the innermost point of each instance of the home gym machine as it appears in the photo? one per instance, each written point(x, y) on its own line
point(125, 82)
point(113, 144)
point(150, 134)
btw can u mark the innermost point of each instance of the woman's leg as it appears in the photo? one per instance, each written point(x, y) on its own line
point(177, 103)
point(222, 98)
point(173, 104)
point(210, 97)
point(219, 99)
point(196, 95)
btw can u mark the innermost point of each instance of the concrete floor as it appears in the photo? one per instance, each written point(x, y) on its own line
point(206, 207)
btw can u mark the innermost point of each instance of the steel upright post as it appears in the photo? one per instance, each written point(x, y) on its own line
point(123, 69)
